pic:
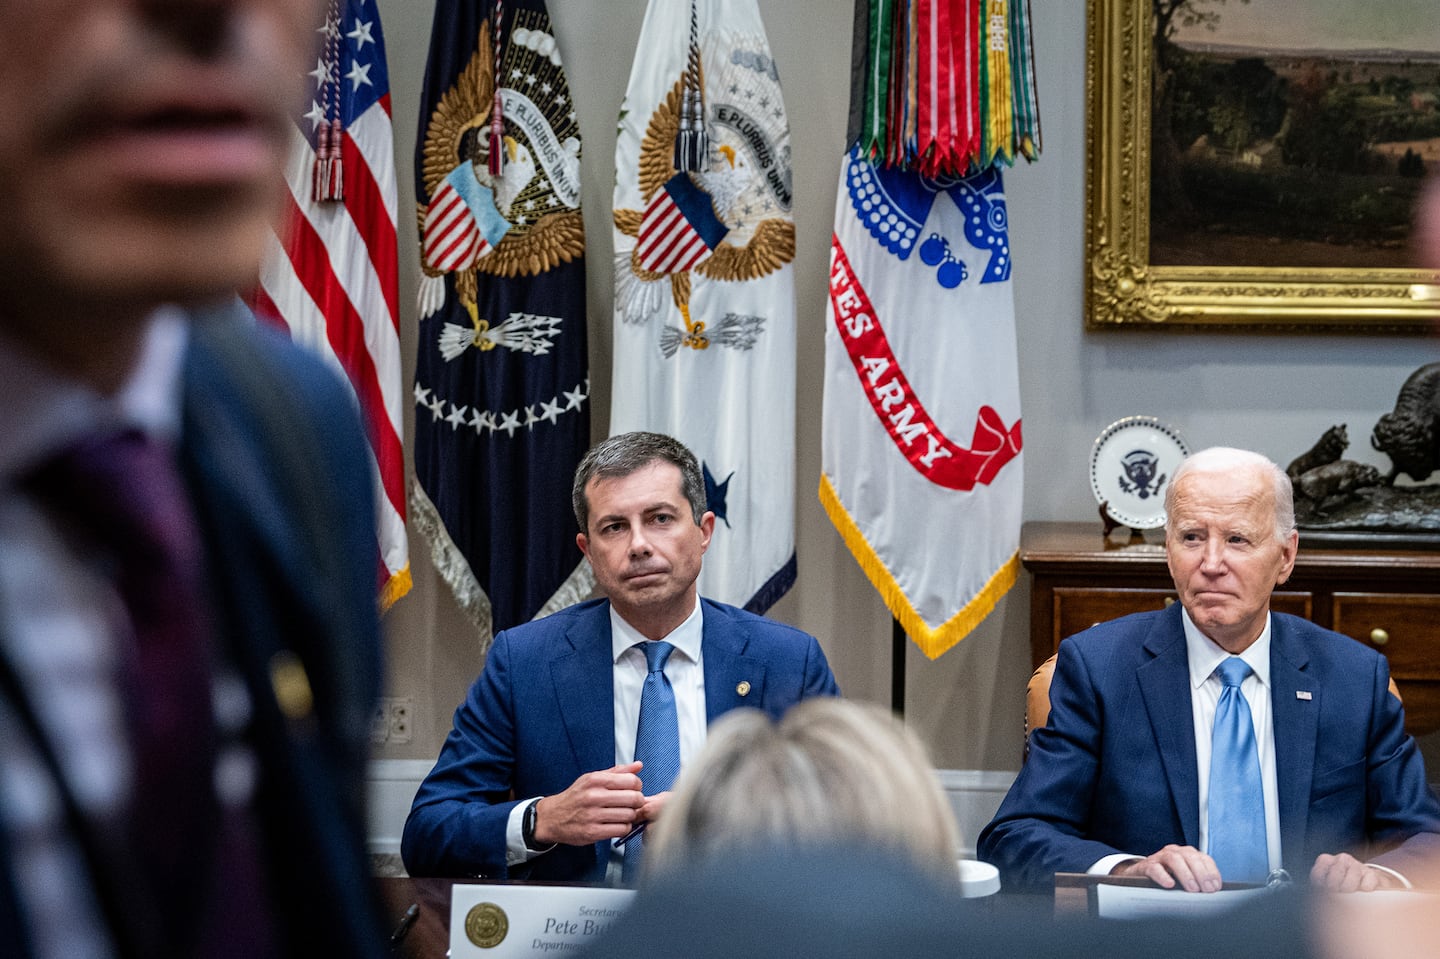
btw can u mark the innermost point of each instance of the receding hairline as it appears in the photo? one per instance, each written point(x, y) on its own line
point(1228, 461)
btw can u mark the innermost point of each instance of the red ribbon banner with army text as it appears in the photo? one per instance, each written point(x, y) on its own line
point(895, 403)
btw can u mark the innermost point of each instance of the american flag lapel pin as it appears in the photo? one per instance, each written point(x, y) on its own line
point(1303, 694)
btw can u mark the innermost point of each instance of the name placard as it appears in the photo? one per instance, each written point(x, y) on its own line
point(497, 922)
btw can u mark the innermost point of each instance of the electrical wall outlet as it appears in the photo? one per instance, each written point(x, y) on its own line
point(401, 710)
point(391, 720)
point(380, 724)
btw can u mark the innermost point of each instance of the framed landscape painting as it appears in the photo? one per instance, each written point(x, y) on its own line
point(1255, 164)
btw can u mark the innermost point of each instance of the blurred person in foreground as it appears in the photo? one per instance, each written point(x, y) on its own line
point(1427, 223)
point(829, 769)
point(1215, 740)
point(577, 726)
point(825, 833)
point(189, 647)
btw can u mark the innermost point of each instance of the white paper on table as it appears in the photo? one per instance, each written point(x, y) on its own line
point(1142, 902)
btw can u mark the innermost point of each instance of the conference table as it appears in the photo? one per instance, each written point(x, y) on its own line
point(1373, 926)
point(427, 934)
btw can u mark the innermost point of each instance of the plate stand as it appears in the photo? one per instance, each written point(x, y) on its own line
point(1110, 526)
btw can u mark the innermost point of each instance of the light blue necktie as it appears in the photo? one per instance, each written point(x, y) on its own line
point(657, 739)
point(1237, 801)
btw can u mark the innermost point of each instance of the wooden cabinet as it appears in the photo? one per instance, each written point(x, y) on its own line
point(1387, 599)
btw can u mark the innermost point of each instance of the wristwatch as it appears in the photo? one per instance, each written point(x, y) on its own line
point(527, 827)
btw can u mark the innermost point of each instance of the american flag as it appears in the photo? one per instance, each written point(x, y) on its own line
point(331, 277)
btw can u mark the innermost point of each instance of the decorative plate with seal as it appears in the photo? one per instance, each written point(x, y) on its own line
point(1130, 465)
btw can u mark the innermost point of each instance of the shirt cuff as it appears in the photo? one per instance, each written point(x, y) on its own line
point(516, 851)
point(1403, 881)
point(1103, 867)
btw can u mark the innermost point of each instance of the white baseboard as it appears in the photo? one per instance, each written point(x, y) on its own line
point(390, 789)
point(974, 794)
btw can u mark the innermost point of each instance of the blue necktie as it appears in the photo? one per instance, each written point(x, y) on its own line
point(657, 739)
point(1237, 801)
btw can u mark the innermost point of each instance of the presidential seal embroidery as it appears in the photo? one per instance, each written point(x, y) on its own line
point(728, 219)
point(520, 222)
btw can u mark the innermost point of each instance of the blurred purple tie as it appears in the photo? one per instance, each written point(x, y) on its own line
point(123, 497)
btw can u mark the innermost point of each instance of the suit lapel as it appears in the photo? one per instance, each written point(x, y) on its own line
point(1165, 686)
point(280, 582)
point(732, 679)
point(1296, 722)
point(584, 689)
point(251, 534)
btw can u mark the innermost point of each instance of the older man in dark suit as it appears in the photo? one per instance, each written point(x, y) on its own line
point(1216, 740)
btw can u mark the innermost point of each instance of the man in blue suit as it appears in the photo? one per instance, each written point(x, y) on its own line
point(1124, 777)
point(141, 158)
point(538, 775)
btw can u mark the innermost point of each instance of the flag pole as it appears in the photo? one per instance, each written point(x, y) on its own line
point(898, 641)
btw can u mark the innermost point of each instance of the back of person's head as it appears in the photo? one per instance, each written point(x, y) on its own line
point(1229, 461)
point(829, 770)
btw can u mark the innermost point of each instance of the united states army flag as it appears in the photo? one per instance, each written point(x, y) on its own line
point(704, 290)
point(921, 465)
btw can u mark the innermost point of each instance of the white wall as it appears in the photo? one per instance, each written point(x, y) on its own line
point(1276, 394)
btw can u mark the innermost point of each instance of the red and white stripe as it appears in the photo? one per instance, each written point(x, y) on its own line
point(332, 278)
point(452, 237)
point(667, 242)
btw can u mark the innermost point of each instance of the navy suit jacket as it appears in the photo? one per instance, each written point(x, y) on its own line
point(542, 713)
point(277, 469)
point(1114, 769)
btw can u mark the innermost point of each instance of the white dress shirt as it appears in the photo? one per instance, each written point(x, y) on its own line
point(686, 671)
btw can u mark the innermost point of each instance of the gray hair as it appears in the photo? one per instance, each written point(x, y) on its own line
point(1226, 459)
point(828, 769)
point(628, 453)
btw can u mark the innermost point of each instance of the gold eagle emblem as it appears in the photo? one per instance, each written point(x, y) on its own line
point(544, 230)
point(752, 249)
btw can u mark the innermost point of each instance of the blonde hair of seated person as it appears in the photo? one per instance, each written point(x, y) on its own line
point(829, 770)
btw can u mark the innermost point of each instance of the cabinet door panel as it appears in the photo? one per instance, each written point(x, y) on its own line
point(1406, 629)
point(1079, 608)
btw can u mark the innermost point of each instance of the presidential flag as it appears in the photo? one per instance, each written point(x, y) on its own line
point(331, 275)
point(502, 413)
point(704, 288)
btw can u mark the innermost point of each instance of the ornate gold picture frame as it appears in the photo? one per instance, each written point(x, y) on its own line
point(1125, 290)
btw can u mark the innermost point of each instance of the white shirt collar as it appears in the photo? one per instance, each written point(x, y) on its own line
point(685, 638)
point(46, 411)
point(1204, 654)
